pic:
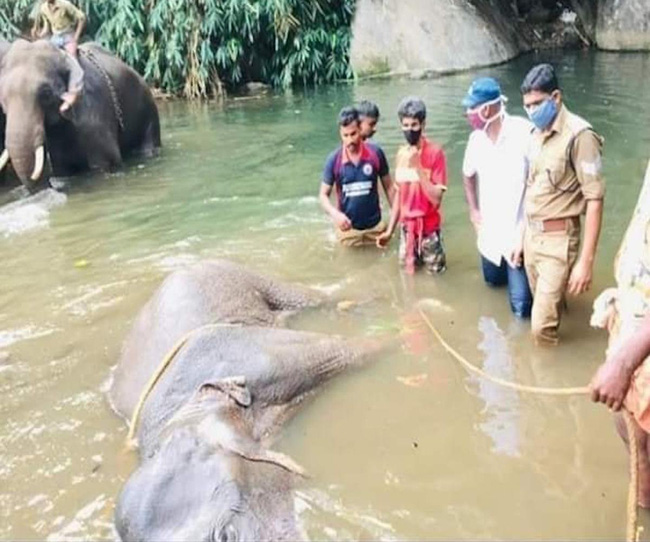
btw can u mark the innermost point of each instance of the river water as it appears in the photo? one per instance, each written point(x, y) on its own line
point(409, 447)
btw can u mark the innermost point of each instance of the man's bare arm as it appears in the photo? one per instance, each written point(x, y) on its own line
point(340, 219)
point(471, 195)
point(389, 188)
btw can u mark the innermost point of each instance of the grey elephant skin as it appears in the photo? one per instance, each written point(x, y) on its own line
point(114, 117)
point(206, 468)
point(4, 47)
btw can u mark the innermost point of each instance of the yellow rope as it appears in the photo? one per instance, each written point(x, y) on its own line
point(633, 488)
point(512, 385)
point(155, 377)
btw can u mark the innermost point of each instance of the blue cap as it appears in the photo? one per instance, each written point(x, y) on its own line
point(482, 90)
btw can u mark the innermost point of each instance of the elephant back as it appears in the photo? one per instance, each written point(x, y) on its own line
point(117, 87)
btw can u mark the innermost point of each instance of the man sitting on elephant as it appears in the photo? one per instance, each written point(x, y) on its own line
point(64, 23)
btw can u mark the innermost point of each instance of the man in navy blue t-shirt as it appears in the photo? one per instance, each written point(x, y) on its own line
point(353, 171)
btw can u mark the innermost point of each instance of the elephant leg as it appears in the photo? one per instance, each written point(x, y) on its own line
point(302, 361)
point(151, 142)
point(282, 297)
point(103, 154)
point(66, 155)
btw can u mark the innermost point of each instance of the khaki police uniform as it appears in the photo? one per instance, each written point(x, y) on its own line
point(564, 173)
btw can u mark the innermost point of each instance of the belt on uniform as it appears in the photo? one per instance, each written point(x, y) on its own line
point(553, 224)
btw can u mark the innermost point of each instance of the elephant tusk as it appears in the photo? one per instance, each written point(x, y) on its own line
point(4, 159)
point(39, 163)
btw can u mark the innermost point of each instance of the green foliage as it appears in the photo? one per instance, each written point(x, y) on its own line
point(197, 47)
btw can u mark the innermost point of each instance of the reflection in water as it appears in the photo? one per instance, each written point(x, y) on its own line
point(501, 410)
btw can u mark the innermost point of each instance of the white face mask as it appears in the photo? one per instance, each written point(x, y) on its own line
point(487, 121)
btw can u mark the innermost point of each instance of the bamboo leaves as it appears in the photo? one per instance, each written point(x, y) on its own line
point(195, 47)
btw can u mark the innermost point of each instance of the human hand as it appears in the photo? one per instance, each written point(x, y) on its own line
point(342, 222)
point(383, 239)
point(580, 279)
point(475, 217)
point(516, 257)
point(611, 382)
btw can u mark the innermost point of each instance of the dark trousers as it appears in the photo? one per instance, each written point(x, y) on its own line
point(521, 299)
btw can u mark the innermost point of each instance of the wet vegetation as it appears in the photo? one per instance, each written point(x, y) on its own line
point(200, 48)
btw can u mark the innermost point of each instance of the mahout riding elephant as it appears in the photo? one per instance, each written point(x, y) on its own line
point(206, 468)
point(114, 117)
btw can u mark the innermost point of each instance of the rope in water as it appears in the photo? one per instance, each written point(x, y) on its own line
point(155, 377)
point(633, 488)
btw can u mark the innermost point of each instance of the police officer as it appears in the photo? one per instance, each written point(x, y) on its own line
point(564, 182)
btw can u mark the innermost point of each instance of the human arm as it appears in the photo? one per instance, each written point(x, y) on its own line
point(389, 188)
point(340, 220)
point(586, 159)
point(41, 27)
point(612, 379)
point(516, 258)
point(386, 236)
point(80, 17)
point(470, 185)
point(434, 179)
point(582, 272)
point(385, 177)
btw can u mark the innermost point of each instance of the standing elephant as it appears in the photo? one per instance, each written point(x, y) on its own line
point(115, 115)
point(206, 471)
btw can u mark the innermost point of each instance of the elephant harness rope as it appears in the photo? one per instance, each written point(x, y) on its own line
point(633, 488)
point(157, 374)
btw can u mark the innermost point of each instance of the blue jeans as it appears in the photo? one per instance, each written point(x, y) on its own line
point(521, 300)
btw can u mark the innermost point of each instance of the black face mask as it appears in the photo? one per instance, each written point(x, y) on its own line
point(412, 136)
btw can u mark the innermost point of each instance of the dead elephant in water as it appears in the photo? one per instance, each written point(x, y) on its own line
point(206, 470)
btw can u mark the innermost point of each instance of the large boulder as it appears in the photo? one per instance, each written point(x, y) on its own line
point(437, 36)
point(623, 25)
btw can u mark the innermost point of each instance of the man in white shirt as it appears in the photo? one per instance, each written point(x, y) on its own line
point(494, 177)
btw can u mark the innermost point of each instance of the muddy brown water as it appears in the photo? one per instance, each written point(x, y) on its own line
point(410, 447)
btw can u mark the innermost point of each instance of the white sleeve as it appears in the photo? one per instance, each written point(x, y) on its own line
point(469, 161)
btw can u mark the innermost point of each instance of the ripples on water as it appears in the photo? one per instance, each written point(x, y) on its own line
point(409, 448)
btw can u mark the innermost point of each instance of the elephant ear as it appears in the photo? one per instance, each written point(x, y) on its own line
point(234, 387)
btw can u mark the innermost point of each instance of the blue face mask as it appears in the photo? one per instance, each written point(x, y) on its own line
point(543, 114)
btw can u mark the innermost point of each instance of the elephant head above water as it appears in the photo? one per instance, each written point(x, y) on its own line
point(209, 479)
point(115, 113)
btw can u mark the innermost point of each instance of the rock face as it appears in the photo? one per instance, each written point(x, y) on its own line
point(623, 25)
point(437, 36)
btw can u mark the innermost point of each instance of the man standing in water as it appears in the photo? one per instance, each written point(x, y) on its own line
point(354, 170)
point(494, 177)
point(368, 120)
point(624, 379)
point(64, 23)
point(565, 181)
point(420, 183)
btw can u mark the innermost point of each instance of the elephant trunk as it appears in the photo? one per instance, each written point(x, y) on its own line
point(25, 140)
